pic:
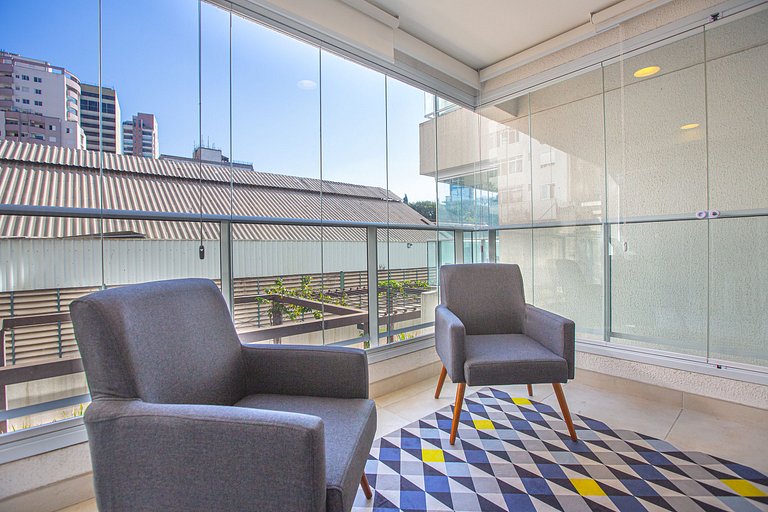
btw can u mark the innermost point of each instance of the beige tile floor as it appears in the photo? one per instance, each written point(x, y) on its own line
point(743, 439)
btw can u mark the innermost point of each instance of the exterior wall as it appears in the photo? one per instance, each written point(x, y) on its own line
point(59, 93)
point(30, 264)
point(140, 136)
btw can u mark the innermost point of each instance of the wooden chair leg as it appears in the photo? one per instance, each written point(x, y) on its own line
point(457, 410)
point(366, 487)
point(530, 390)
point(440, 380)
point(564, 408)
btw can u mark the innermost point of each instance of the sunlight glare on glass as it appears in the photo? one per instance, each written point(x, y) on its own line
point(306, 85)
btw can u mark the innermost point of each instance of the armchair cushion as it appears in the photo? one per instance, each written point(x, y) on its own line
point(497, 359)
point(488, 298)
point(350, 425)
point(336, 372)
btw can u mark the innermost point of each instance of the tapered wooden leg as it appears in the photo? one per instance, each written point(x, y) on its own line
point(457, 410)
point(564, 408)
point(530, 390)
point(440, 381)
point(366, 487)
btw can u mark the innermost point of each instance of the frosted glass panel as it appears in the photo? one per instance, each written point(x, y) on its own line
point(567, 150)
point(515, 247)
point(656, 156)
point(737, 95)
point(659, 286)
point(738, 327)
point(568, 275)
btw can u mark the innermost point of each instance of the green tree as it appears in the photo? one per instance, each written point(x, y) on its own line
point(425, 208)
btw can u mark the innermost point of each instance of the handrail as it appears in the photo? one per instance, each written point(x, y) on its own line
point(96, 213)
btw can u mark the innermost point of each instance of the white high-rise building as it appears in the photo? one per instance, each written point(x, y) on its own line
point(39, 103)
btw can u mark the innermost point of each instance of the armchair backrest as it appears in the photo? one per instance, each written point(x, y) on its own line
point(487, 297)
point(162, 342)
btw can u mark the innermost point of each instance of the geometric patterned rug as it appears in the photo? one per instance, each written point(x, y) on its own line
point(515, 454)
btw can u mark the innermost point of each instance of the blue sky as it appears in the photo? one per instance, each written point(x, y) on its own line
point(150, 55)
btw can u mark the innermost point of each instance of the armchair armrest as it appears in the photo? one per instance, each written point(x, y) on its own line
point(449, 342)
point(222, 458)
point(553, 331)
point(335, 372)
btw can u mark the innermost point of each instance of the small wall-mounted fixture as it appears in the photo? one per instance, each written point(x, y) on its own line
point(689, 126)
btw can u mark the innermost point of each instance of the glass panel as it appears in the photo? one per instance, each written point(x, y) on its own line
point(738, 325)
point(515, 246)
point(407, 287)
point(568, 275)
point(655, 127)
point(505, 145)
point(345, 284)
point(271, 264)
point(659, 286)
point(275, 123)
point(447, 247)
point(214, 146)
point(567, 149)
point(45, 263)
point(354, 152)
point(154, 250)
point(737, 113)
point(405, 175)
point(171, 64)
point(461, 188)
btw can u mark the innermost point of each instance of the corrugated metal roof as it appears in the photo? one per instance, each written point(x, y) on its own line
point(39, 175)
point(67, 157)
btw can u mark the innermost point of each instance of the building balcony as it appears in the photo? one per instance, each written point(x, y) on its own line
point(626, 181)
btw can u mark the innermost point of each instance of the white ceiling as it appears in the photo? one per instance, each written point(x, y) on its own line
point(483, 32)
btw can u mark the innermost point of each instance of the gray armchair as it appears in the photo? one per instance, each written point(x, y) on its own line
point(485, 334)
point(184, 417)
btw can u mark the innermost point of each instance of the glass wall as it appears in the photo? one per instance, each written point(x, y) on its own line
point(202, 112)
point(633, 194)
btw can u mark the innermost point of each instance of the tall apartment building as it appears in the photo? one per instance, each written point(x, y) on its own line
point(108, 139)
point(39, 103)
point(140, 136)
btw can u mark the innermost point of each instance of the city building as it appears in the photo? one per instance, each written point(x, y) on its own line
point(140, 136)
point(208, 155)
point(106, 137)
point(39, 103)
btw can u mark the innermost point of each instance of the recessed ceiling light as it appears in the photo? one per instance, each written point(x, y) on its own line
point(690, 126)
point(644, 72)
